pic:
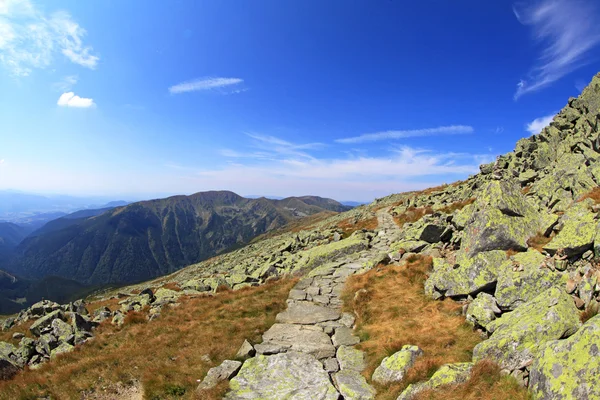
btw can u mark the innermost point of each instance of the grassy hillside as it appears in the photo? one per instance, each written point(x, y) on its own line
point(154, 238)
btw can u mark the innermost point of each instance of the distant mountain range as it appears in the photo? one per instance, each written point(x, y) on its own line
point(147, 239)
point(35, 210)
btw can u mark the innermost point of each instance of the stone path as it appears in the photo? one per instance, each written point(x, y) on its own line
point(308, 353)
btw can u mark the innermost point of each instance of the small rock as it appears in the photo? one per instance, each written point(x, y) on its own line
point(331, 365)
point(246, 351)
point(18, 335)
point(344, 337)
point(394, 367)
point(353, 386)
point(227, 370)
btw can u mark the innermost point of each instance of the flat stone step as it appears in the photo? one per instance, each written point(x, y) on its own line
point(307, 313)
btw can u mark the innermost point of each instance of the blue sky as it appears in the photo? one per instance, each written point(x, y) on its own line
point(346, 99)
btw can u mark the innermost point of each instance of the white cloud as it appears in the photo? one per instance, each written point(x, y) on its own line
point(278, 170)
point(1, 161)
point(536, 126)
point(568, 31)
point(206, 84)
point(69, 99)
point(402, 134)
point(29, 39)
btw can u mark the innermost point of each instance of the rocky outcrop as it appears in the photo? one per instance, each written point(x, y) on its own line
point(569, 368)
point(394, 367)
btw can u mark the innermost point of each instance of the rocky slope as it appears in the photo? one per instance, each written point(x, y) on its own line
point(517, 245)
point(152, 238)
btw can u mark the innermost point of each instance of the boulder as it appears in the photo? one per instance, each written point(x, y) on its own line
point(569, 368)
point(503, 219)
point(353, 386)
point(322, 254)
point(578, 232)
point(448, 374)
point(394, 367)
point(46, 321)
point(43, 307)
point(472, 275)
point(62, 331)
point(517, 336)
point(216, 375)
point(289, 375)
point(7, 369)
point(482, 310)
point(61, 348)
point(530, 277)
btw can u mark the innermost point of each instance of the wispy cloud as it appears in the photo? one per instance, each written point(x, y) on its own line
point(567, 30)
point(66, 83)
point(273, 148)
point(2, 161)
point(69, 99)
point(536, 126)
point(29, 39)
point(207, 84)
point(403, 134)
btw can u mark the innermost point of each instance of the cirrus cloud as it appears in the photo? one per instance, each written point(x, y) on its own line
point(403, 134)
point(207, 84)
point(29, 39)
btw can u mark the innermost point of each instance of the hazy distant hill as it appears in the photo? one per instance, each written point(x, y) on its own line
point(10, 236)
point(152, 238)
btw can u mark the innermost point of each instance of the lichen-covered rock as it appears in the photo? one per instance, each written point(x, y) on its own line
point(472, 274)
point(61, 348)
point(46, 321)
point(448, 374)
point(344, 336)
point(504, 220)
point(350, 358)
point(482, 310)
point(329, 252)
point(353, 386)
point(289, 375)
point(394, 367)
point(517, 336)
point(578, 232)
point(409, 246)
point(569, 368)
point(523, 277)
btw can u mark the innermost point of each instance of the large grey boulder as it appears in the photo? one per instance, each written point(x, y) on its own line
point(46, 321)
point(523, 277)
point(517, 336)
point(291, 376)
point(569, 368)
point(578, 232)
point(395, 367)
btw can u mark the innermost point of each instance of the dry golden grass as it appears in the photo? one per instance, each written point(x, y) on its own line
point(486, 382)
point(594, 194)
point(349, 226)
point(412, 214)
point(511, 252)
point(590, 312)
point(6, 336)
point(393, 311)
point(459, 205)
point(526, 189)
point(166, 356)
point(538, 242)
